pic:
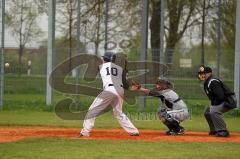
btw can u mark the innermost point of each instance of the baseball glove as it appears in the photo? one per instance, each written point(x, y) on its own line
point(135, 85)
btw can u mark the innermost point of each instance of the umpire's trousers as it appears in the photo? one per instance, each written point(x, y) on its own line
point(214, 117)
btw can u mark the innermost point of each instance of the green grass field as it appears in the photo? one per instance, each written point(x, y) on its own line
point(24, 105)
point(35, 118)
point(55, 148)
point(78, 149)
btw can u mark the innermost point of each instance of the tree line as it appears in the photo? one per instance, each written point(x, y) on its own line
point(198, 17)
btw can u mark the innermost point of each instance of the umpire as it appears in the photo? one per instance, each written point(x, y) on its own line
point(215, 89)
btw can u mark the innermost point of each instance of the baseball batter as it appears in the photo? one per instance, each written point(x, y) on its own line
point(114, 79)
point(174, 110)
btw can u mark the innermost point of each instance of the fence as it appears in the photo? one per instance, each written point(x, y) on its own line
point(26, 74)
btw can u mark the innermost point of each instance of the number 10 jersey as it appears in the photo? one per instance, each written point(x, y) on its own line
point(111, 75)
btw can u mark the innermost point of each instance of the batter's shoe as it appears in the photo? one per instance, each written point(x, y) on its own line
point(134, 134)
point(82, 135)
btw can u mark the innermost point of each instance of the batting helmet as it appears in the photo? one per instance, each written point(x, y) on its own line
point(109, 57)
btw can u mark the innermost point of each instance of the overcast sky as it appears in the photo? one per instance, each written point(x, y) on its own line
point(10, 41)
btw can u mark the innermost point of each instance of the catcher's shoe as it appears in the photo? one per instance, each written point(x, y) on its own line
point(181, 131)
point(171, 132)
point(134, 134)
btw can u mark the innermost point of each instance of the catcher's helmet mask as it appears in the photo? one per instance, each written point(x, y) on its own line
point(166, 82)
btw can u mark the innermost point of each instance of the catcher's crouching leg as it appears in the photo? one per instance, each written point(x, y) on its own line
point(172, 124)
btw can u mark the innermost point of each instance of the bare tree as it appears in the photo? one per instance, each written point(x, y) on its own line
point(124, 19)
point(66, 17)
point(180, 15)
point(155, 29)
point(228, 21)
point(205, 9)
point(42, 6)
point(180, 18)
point(21, 18)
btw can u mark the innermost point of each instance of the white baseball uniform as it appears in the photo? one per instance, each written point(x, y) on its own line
point(112, 94)
point(178, 108)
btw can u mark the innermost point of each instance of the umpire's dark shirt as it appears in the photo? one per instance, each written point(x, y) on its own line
point(215, 91)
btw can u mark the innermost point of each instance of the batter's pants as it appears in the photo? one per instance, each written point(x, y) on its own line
point(101, 102)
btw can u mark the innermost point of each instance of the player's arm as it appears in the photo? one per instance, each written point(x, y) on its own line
point(136, 86)
point(144, 90)
point(153, 92)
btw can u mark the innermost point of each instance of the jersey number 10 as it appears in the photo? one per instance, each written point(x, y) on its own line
point(113, 72)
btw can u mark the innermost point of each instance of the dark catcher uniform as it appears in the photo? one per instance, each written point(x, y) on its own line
point(214, 89)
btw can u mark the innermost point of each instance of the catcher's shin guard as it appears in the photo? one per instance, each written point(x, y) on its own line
point(170, 122)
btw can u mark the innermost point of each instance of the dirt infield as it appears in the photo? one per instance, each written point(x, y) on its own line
point(9, 134)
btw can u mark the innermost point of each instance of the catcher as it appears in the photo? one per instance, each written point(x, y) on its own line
point(173, 111)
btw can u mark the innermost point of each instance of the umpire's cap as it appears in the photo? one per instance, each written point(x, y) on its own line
point(204, 69)
point(109, 57)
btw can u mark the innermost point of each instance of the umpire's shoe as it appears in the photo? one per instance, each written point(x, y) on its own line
point(212, 133)
point(222, 133)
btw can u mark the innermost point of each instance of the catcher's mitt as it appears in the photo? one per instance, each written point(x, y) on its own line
point(135, 85)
